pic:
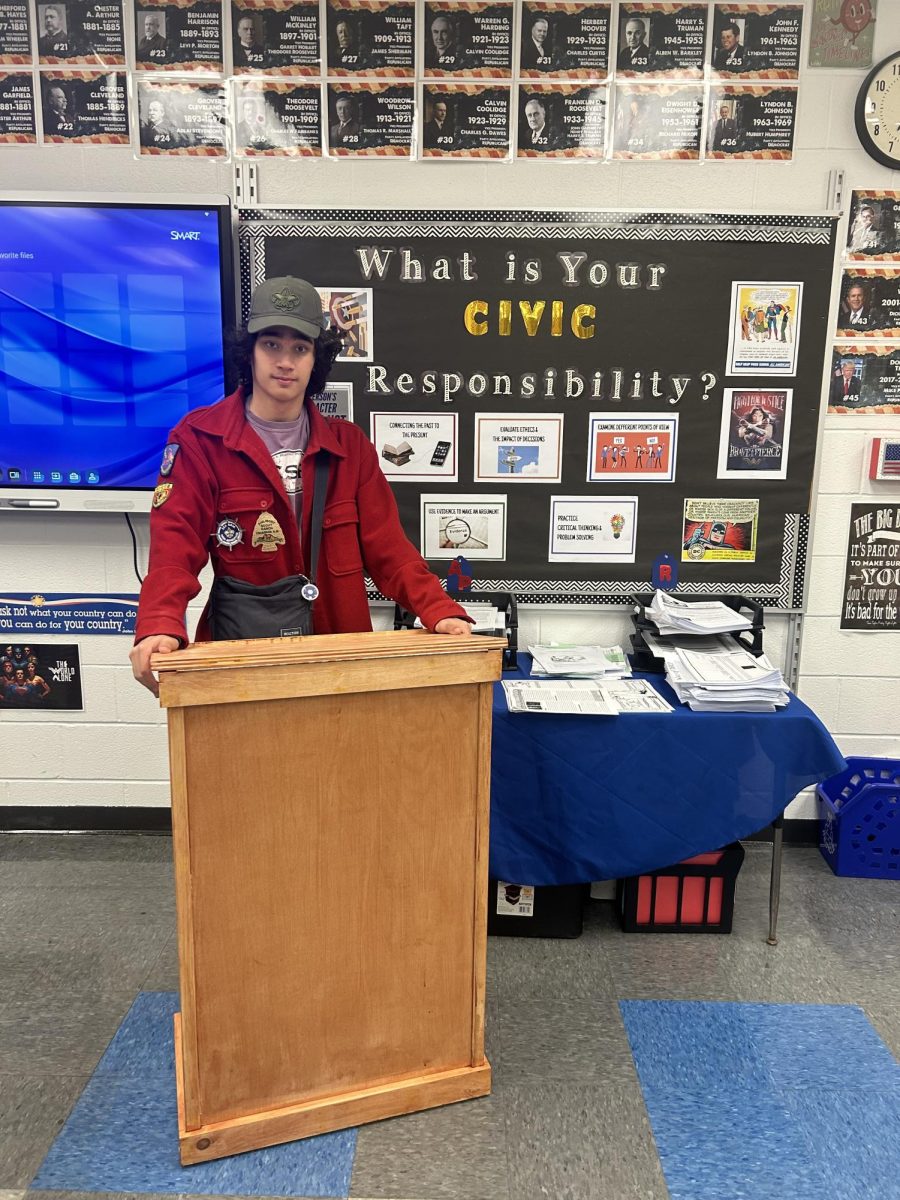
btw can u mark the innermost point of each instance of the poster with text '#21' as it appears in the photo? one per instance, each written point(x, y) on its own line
point(765, 328)
point(719, 531)
point(632, 446)
point(593, 530)
point(471, 525)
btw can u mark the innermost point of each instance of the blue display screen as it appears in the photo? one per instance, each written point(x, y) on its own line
point(110, 331)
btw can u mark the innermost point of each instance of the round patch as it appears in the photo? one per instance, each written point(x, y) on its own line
point(309, 592)
point(229, 533)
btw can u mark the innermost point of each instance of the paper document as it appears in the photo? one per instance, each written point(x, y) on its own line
point(707, 616)
point(580, 696)
point(578, 661)
point(635, 696)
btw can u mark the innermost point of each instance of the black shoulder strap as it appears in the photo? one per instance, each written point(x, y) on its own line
point(320, 486)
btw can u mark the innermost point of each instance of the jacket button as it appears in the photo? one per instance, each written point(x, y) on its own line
point(263, 504)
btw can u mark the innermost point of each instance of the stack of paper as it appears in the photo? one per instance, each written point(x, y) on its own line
point(703, 617)
point(722, 678)
point(586, 697)
point(554, 660)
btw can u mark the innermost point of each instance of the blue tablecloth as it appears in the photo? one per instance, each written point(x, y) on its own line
point(574, 799)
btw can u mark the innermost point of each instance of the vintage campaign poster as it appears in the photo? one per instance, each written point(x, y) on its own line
point(467, 37)
point(85, 107)
point(373, 120)
point(418, 445)
point(474, 526)
point(275, 37)
point(719, 531)
point(661, 39)
point(564, 39)
point(183, 117)
point(756, 433)
point(751, 120)
point(757, 41)
point(841, 33)
point(17, 109)
point(561, 120)
point(871, 598)
point(632, 446)
point(336, 400)
point(873, 230)
point(465, 120)
point(40, 676)
point(593, 529)
point(765, 328)
point(870, 303)
point(371, 37)
point(82, 31)
point(657, 121)
point(274, 118)
point(865, 377)
point(15, 33)
point(178, 35)
point(349, 309)
point(518, 447)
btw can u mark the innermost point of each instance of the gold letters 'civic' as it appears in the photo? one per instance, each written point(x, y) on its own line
point(477, 318)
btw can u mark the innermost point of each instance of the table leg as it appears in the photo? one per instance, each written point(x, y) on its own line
point(775, 879)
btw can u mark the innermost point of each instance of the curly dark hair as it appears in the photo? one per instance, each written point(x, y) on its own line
point(239, 357)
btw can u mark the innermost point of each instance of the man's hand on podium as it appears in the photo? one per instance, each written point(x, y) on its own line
point(158, 643)
point(453, 625)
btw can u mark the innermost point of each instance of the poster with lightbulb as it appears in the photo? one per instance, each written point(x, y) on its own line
point(592, 529)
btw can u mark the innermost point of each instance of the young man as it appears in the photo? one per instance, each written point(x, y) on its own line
point(236, 484)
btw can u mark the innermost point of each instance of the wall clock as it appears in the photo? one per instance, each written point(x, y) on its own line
point(878, 112)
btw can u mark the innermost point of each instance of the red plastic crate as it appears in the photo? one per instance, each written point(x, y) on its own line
point(693, 896)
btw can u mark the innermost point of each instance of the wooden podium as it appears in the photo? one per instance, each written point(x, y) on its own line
point(330, 801)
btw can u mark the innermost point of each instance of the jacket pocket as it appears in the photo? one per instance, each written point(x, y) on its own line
point(340, 538)
point(242, 505)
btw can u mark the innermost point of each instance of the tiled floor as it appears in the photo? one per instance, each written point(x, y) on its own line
point(86, 923)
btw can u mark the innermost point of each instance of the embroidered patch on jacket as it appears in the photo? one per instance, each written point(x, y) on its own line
point(267, 533)
point(168, 458)
point(229, 533)
point(161, 493)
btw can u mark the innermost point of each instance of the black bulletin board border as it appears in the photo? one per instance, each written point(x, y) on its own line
point(778, 582)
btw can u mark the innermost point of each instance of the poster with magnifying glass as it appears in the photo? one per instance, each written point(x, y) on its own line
point(471, 525)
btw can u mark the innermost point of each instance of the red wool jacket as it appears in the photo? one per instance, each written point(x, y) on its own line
point(223, 469)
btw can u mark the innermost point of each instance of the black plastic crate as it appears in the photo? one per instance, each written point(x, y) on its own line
point(505, 602)
point(693, 896)
point(520, 910)
point(642, 657)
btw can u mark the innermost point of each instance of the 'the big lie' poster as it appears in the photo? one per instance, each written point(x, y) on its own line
point(872, 583)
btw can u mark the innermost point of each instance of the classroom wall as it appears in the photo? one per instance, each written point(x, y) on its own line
point(114, 753)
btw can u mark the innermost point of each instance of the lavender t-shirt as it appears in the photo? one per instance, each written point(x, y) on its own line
point(286, 441)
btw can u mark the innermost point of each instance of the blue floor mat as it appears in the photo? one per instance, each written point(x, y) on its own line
point(768, 1101)
point(122, 1135)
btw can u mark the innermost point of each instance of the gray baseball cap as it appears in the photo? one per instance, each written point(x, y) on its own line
point(286, 301)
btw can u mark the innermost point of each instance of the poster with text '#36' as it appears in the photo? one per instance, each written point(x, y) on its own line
point(765, 328)
point(593, 530)
point(471, 525)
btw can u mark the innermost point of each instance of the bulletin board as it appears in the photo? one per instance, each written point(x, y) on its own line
point(561, 397)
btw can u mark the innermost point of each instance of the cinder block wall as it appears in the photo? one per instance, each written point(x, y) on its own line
point(114, 753)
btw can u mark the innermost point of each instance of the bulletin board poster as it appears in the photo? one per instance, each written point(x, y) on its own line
point(40, 676)
point(550, 395)
point(871, 598)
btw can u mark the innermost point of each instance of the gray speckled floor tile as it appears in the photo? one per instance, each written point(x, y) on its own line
point(833, 970)
point(163, 973)
point(886, 1019)
point(58, 1034)
point(32, 1112)
point(673, 966)
point(581, 1143)
point(87, 860)
point(563, 1041)
point(11, 1195)
point(453, 1153)
point(80, 940)
point(547, 968)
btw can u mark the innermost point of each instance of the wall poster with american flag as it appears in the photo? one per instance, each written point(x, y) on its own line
point(871, 598)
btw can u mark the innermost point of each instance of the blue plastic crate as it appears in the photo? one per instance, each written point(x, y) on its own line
point(859, 814)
